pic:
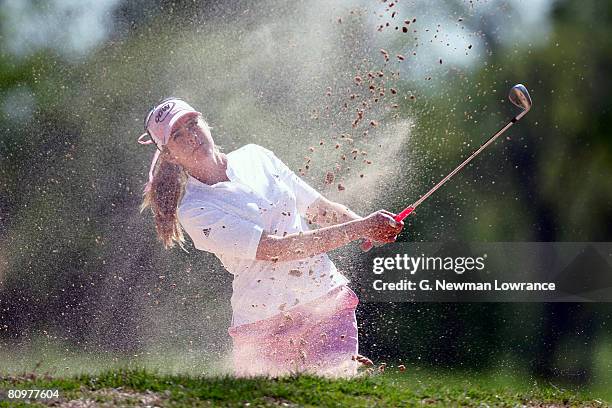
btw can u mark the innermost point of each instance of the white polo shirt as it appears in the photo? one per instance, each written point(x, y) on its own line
point(228, 219)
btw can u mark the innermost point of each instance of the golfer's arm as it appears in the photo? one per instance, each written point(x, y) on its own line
point(304, 244)
point(324, 212)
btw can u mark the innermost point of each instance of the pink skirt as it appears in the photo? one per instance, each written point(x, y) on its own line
point(319, 337)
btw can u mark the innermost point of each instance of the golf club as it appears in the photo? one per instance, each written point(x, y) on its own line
point(519, 96)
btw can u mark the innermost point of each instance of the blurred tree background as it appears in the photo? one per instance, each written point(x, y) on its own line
point(81, 267)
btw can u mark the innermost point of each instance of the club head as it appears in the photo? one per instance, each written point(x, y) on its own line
point(520, 97)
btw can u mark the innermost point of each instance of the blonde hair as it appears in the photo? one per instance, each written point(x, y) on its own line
point(167, 190)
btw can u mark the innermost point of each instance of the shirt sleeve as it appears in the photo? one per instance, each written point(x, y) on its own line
point(221, 233)
point(304, 193)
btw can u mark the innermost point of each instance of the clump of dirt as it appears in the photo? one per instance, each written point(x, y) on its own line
point(363, 360)
point(360, 110)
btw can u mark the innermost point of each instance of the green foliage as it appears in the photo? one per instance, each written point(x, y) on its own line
point(391, 389)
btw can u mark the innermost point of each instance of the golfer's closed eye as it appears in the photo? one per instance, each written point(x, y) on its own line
point(177, 133)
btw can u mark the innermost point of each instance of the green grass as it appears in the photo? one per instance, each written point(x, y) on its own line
point(139, 387)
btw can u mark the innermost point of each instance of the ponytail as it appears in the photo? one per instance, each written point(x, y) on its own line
point(167, 188)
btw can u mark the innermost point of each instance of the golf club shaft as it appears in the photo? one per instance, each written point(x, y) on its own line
point(411, 208)
point(408, 210)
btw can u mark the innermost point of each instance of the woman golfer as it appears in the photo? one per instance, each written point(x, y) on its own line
point(292, 310)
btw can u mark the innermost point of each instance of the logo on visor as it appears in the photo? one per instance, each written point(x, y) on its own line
point(163, 112)
point(206, 231)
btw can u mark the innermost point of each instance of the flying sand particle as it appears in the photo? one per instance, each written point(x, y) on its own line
point(363, 360)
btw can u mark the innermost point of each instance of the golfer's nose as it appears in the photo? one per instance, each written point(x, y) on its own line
point(195, 140)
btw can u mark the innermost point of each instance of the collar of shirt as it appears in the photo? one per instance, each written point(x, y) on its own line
point(229, 172)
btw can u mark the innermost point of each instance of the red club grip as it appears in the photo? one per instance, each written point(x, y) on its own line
point(406, 212)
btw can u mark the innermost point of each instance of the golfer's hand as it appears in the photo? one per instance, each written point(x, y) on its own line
point(381, 227)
